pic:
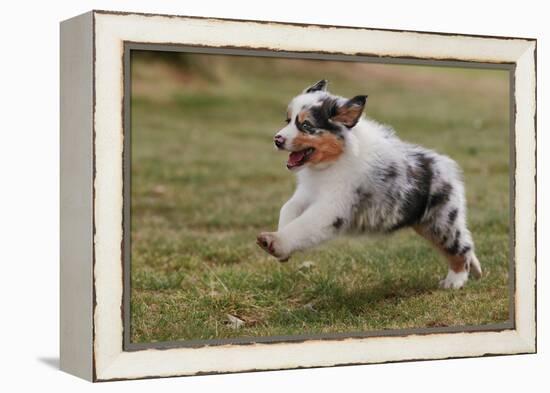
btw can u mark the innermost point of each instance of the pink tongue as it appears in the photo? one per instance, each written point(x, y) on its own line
point(295, 157)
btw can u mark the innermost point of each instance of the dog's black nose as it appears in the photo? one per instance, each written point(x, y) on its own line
point(279, 141)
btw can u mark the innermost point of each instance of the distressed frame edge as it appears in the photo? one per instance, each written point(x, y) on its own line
point(525, 132)
point(526, 339)
point(76, 207)
point(304, 24)
point(522, 346)
point(256, 370)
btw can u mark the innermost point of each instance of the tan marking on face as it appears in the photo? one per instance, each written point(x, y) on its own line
point(302, 116)
point(328, 147)
point(457, 263)
point(348, 115)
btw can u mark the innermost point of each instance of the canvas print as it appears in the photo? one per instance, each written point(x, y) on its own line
point(286, 198)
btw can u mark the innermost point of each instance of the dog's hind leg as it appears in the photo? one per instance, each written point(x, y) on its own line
point(444, 223)
point(457, 247)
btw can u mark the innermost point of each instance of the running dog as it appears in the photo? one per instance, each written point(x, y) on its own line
point(356, 175)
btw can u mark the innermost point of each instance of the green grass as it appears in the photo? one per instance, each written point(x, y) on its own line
point(206, 181)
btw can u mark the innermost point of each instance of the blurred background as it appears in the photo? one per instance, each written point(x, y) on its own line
point(206, 180)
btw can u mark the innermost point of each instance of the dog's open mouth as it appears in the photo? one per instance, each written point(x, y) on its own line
point(299, 158)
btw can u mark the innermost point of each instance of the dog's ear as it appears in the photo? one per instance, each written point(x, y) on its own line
point(349, 113)
point(319, 86)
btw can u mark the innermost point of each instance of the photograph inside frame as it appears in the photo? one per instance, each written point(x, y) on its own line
point(285, 197)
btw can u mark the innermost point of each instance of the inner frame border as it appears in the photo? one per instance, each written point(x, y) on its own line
point(129, 46)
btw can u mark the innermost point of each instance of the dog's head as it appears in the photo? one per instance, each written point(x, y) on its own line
point(317, 123)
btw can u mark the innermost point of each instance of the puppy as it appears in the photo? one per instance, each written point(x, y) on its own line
point(355, 175)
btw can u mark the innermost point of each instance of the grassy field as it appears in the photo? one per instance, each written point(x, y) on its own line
point(206, 180)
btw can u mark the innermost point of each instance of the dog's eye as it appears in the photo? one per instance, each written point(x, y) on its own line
point(307, 126)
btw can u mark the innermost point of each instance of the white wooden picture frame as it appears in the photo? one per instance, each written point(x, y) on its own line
point(92, 193)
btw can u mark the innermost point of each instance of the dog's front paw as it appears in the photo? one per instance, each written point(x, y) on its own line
point(271, 243)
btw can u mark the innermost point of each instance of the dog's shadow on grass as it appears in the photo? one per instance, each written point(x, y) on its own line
point(384, 294)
